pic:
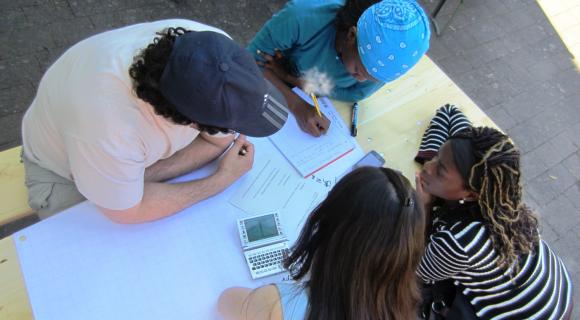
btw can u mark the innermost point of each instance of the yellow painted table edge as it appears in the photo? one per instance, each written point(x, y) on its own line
point(13, 193)
point(392, 120)
point(14, 301)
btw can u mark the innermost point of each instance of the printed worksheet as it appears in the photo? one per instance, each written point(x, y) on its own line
point(310, 154)
point(274, 185)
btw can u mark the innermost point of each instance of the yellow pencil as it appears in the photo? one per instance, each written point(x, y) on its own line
point(313, 96)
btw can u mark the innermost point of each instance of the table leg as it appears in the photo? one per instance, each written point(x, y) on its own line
point(439, 30)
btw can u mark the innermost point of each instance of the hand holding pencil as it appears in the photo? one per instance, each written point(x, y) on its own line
point(316, 105)
point(309, 120)
point(319, 123)
point(237, 160)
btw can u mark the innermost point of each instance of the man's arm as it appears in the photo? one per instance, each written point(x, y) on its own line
point(163, 199)
point(199, 152)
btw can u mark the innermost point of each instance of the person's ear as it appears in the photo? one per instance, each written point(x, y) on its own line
point(351, 34)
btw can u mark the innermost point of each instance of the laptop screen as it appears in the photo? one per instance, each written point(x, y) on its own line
point(260, 228)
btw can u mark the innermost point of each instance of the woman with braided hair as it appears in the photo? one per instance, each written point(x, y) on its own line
point(484, 256)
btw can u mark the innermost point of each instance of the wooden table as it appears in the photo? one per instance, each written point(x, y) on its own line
point(14, 303)
point(392, 122)
point(13, 193)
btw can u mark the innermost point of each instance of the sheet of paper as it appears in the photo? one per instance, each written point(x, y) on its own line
point(80, 265)
point(310, 154)
point(273, 184)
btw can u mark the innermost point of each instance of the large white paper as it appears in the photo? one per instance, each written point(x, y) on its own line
point(310, 154)
point(80, 265)
point(273, 185)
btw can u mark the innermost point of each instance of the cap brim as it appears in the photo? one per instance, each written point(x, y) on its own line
point(273, 117)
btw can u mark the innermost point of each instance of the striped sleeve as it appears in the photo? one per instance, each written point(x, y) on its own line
point(540, 288)
point(444, 257)
point(453, 251)
point(448, 120)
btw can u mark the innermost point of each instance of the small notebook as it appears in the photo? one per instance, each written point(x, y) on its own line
point(310, 154)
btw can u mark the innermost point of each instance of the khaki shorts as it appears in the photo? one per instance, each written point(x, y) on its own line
point(48, 193)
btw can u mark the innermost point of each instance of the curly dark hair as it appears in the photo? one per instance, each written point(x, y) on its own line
point(496, 177)
point(146, 72)
point(349, 14)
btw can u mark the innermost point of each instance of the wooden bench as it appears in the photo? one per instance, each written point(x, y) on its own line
point(13, 192)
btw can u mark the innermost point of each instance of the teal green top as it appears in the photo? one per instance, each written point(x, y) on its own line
point(294, 300)
point(304, 31)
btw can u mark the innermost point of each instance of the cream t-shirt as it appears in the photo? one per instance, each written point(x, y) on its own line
point(87, 125)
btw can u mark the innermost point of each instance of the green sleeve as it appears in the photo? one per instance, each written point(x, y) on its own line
point(282, 32)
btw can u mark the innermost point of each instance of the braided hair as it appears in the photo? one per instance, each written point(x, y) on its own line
point(496, 178)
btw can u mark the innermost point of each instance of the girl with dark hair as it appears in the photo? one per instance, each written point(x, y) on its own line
point(354, 259)
point(344, 49)
point(484, 256)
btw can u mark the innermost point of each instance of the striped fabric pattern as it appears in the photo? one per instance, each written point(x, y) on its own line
point(275, 112)
point(448, 121)
point(463, 252)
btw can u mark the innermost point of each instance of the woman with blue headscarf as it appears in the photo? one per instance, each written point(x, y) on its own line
point(346, 50)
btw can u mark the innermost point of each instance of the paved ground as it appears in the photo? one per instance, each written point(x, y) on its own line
point(505, 54)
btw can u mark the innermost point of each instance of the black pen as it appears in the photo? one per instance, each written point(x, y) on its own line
point(354, 119)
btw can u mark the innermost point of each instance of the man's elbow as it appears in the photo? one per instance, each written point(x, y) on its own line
point(126, 216)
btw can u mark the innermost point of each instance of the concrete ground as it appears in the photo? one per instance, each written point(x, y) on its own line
point(514, 58)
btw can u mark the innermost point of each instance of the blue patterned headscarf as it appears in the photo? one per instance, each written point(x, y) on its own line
point(392, 35)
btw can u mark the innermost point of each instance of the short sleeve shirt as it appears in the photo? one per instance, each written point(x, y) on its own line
point(86, 124)
point(305, 33)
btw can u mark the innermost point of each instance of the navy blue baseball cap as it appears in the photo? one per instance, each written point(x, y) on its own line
point(213, 81)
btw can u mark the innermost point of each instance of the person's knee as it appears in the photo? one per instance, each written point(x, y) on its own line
point(48, 193)
point(61, 197)
point(38, 195)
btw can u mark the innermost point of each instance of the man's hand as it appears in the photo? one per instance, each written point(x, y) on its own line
point(307, 117)
point(235, 162)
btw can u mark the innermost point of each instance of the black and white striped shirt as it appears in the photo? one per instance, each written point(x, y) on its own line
point(447, 122)
point(462, 251)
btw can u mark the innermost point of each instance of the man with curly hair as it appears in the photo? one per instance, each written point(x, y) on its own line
point(122, 112)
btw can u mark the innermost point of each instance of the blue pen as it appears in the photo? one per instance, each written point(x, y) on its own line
point(354, 119)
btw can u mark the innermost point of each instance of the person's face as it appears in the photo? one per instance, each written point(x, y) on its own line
point(351, 58)
point(442, 179)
